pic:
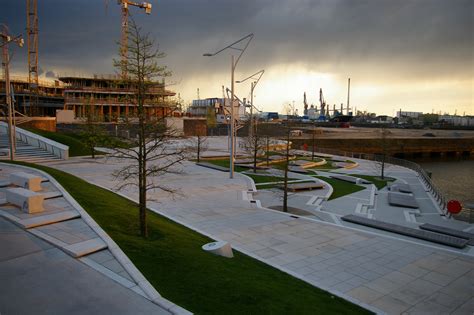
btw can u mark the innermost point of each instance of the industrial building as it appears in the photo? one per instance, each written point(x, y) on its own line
point(220, 106)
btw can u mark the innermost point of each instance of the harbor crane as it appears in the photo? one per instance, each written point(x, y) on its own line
point(305, 104)
point(124, 38)
point(322, 102)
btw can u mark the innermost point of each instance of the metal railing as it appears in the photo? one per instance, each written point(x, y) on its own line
point(425, 178)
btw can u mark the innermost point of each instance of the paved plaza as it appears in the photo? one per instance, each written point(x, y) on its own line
point(389, 273)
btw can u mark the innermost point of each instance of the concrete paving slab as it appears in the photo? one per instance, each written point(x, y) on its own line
point(32, 267)
point(86, 247)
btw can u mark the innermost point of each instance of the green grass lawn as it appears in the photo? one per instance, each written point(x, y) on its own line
point(75, 141)
point(173, 261)
point(76, 146)
point(258, 179)
point(225, 163)
point(376, 180)
point(327, 166)
point(308, 158)
point(340, 188)
point(273, 185)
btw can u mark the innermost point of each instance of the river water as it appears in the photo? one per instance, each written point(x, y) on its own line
point(454, 177)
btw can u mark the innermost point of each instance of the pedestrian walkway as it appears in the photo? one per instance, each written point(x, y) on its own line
point(38, 278)
point(387, 272)
point(61, 252)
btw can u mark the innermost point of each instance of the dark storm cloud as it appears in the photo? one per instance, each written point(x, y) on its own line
point(422, 37)
point(427, 37)
point(50, 74)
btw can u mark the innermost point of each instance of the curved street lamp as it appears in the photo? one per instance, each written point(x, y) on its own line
point(247, 38)
point(253, 84)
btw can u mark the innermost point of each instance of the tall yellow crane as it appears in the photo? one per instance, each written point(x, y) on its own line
point(32, 42)
point(124, 39)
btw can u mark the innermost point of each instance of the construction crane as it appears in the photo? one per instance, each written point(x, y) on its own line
point(124, 39)
point(32, 42)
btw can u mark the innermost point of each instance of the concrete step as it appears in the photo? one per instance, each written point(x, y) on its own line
point(86, 247)
point(46, 219)
point(28, 153)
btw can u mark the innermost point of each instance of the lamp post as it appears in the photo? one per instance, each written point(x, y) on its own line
point(253, 84)
point(232, 118)
point(6, 60)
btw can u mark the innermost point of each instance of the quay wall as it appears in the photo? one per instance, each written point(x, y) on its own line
point(394, 146)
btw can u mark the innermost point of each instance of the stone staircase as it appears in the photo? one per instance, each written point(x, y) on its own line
point(27, 153)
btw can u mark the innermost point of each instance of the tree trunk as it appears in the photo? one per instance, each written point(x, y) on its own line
point(198, 148)
point(142, 189)
point(383, 165)
point(285, 178)
point(268, 151)
point(255, 151)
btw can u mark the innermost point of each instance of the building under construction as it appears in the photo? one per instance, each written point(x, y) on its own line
point(105, 96)
point(47, 98)
point(111, 99)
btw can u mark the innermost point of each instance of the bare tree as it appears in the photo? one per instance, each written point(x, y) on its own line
point(383, 145)
point(267, 150)
point(254, 144)
point(201, 145)
point(198, 144)
point(152, 152)
point(211, 120)
point(287, 163)
point(289, 109)
point(92, 132)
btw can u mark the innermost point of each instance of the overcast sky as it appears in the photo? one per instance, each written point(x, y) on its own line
point(414, 55)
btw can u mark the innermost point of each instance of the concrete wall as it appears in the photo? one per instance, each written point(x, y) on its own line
point(41, 123)
point(195, 126)
point(65, 116)
point(175, 123)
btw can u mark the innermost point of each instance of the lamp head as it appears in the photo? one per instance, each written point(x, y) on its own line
point(207, 55)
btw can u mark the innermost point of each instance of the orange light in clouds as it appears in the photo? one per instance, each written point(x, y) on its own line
point(283, 84)
point(286, 84)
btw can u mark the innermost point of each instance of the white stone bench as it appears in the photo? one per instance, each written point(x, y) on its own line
point(27, 200)
point(25, 180)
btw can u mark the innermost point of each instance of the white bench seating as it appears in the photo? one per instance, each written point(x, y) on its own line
point(25, 180)
point(27, 200)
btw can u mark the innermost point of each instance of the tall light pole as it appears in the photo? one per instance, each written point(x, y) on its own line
point(232, 118)
point(253, 84)
point(6, 39)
